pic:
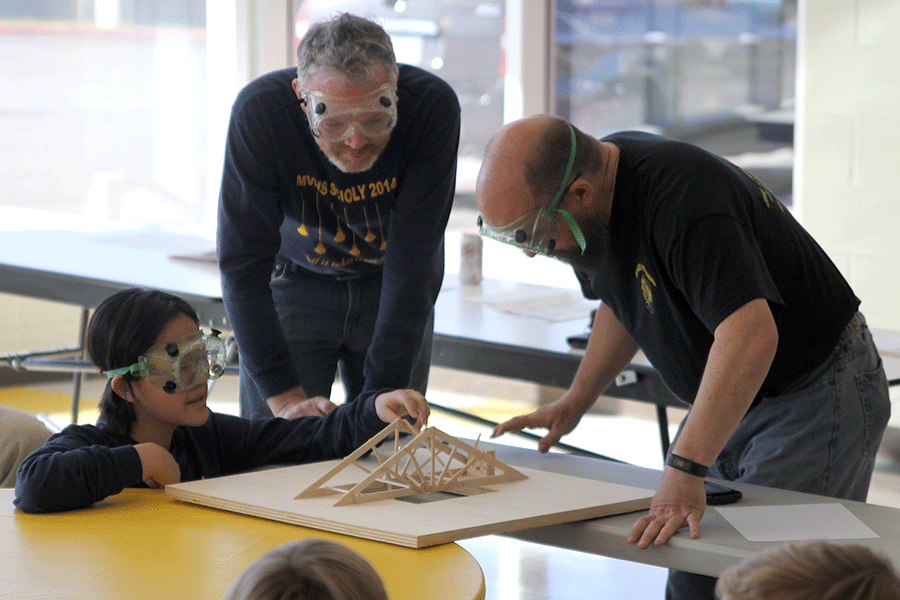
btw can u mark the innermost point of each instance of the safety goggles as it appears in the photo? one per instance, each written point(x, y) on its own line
point(334, 119)
point(536, 230)
point(180, 364)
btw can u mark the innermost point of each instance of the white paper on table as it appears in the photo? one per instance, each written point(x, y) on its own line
point(796, 522)
point(553, 307)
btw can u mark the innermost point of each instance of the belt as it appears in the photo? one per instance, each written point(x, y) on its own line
point(285, 265)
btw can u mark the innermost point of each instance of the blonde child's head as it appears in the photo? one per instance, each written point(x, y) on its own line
point(308, 570)
point(812, 571)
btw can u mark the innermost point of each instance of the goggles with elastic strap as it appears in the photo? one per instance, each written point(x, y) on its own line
point(180, 364)
point(334, 119)
point(537, 229)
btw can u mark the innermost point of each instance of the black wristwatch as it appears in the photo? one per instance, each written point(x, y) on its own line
point(688, 466)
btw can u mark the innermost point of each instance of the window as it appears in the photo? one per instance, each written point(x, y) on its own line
point(718, 73)
point(103, 108)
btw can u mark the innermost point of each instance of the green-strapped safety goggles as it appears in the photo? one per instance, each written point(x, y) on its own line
point(179, 365)
point(537, 229)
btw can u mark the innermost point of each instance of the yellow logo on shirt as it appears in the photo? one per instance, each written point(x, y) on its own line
point(767, 197)
point(351, 194)
point(361, 205)
point(646, 280)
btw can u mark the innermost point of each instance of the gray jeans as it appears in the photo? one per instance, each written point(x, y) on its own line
point(819, 437)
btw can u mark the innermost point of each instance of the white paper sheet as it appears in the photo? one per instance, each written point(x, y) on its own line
point(552, 306)
point(796, 522)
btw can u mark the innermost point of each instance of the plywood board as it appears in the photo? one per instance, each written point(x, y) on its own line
point(541, 499)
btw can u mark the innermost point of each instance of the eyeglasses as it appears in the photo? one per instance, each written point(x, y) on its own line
point(180, 364)
point(537, 229)
point(334, 119)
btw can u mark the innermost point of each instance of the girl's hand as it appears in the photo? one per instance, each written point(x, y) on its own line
point(160, 468)
point(390, 406)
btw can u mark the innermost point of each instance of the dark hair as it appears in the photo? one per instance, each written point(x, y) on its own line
point(347, 44)
point(124, 326)
point(545, 163)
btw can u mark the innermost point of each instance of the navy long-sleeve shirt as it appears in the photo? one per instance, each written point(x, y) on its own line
point(84, 464)
point(280, 195)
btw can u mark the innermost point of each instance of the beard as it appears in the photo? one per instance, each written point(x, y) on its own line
point(357, 166)
point(348, 160)
point(596, 237)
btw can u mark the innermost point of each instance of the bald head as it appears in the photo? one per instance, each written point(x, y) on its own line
point(502, 190)
point(541, 161)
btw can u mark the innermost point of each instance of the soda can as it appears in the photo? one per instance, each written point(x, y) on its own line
point(470, 259)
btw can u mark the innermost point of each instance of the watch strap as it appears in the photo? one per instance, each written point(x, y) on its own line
point(688, 466)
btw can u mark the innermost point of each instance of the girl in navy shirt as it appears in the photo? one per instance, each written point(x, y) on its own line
point(155, 428)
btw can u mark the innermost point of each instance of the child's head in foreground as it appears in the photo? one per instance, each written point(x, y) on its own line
point(812, 571)
point(308, 570)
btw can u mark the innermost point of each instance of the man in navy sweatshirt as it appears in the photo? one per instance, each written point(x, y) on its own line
point(337, 186)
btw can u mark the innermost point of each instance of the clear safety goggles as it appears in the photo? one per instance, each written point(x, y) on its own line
point(536, 230)
point(335, 119)
point(180, 364)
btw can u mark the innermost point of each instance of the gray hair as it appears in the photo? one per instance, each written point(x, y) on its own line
point(346, 44)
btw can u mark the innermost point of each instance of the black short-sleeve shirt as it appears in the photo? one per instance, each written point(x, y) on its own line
point(694, 238)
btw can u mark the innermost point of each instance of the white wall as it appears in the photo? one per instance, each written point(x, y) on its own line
point(528, 85)
point(847, 170)
point(29, 324)
point(244, 39)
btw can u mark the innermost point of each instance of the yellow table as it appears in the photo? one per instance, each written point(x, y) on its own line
point(141, 544)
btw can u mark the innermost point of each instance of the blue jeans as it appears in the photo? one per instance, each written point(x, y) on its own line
point(329, 324)
point(819, 436)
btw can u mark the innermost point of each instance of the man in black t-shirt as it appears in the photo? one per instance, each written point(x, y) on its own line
point(336, 190)
point(732, 301)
